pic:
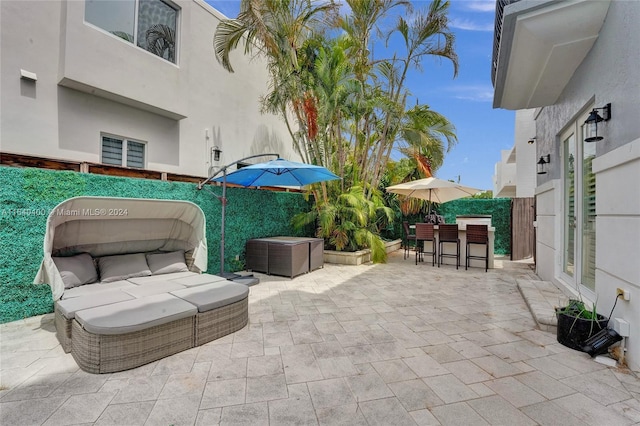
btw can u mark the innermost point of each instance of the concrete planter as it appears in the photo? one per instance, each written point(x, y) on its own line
point(357, 257)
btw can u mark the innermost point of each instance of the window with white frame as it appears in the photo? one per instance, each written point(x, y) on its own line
point(123, 152)
point(149, 24)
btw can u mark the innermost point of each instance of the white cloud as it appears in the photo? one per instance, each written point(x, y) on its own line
point(480, 5)
point(469, 25)
point(479, 93)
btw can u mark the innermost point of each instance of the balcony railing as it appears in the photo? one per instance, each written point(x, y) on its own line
point(497, 33)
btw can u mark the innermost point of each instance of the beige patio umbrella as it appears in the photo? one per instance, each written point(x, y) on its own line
point(433, 189)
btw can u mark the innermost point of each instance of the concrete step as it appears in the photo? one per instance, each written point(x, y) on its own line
point(542, 297)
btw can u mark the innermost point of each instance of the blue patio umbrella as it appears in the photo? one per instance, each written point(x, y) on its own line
point(279, 172)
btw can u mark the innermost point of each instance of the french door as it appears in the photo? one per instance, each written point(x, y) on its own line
point(579, 207)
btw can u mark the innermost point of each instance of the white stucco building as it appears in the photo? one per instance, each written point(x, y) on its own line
point(515, 172)
point(566, 59)
point(132, 83)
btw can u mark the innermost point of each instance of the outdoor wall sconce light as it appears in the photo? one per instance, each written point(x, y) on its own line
point(216, 153)
point(593, 120)
point(545, 159)
point(532, 140)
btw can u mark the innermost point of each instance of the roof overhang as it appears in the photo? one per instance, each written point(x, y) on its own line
point(541, 45)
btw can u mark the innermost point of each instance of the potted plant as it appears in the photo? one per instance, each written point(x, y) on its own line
point(576, 323)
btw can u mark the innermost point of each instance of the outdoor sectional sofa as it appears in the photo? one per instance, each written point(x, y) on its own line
point(128, 288)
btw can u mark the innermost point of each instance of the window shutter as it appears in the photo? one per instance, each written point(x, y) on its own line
point(135, 154)
point(111, 151)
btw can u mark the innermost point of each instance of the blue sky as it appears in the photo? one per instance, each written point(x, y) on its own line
point(466, 100)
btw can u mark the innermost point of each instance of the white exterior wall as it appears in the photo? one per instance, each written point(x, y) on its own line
point(90, 82)
point(515, 174)
point(525, 129)
point(609, 73)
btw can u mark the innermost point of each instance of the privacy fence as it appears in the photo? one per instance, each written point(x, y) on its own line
point(27, 196)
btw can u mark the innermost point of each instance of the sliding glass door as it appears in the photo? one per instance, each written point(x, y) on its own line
point(579, 207)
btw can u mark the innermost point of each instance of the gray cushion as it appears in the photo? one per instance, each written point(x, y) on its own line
point(199, 279)
point(154, 288)
point(121, 267)
point(96, 289)
point(211, 296)
point(68, 307)
point(166, 263)
point(134, 315)
point(76, 270)
point(163, 277)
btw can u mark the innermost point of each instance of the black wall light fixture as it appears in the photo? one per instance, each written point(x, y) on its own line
point(593, 120)
point(531, 141)
point(545, 159)
point(216, 153)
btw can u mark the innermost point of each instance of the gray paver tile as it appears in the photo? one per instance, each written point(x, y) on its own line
point(223, 392)
point(330, 393)
point(591, 412)
point(549, 413)
point(415, 395)
point(175, 411)
point(264, 365)
point(29, 412)
point(343, 415)
point(292, 411)
point(545, 385)
point(515, 392)
point(140, 389)
point(495, 366)
point(245, 415)
point(467, 372)
point(266, 388)
point(182, 385)
point(386, 412)
point(80, 409)
point(425, 366)
point(367, 387)
point(208, 417)
point(424, 418)
point(300, 364)
point(450, 389)
point(597, 389)
point(228, 368)
point(134, 414)
point(497, 411)
point(327, 350)
point(457, 414)
point(393, 371)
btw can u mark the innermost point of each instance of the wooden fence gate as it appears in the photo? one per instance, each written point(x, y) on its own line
point(522, 232)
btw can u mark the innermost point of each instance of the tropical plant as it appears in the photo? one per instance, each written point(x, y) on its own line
point(344, 108)
point(351, 222)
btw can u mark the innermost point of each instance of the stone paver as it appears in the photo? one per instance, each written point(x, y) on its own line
point(388, 344)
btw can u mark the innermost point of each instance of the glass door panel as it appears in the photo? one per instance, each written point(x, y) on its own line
point(588, 216)
point(569, 147)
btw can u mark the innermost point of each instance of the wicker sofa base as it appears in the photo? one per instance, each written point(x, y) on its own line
point(216, 323)
point(97, 353)
point(63, 329)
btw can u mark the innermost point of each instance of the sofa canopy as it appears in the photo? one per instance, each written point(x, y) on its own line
point(104, 226)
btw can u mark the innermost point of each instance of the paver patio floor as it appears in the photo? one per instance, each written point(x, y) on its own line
point(393, 344)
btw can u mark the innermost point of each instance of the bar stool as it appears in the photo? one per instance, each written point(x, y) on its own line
point(477, 234)
point(408, 236)
point(424, 232)
point(448, 234)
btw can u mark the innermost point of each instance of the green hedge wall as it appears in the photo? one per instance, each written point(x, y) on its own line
point(498, 208)
point(28, 195)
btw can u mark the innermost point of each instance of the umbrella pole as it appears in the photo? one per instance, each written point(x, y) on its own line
point(223, 200)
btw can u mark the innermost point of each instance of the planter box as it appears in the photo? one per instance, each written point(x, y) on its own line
point(357, 257)
point(572, 331)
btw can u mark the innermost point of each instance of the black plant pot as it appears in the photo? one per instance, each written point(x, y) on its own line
point(573, 331)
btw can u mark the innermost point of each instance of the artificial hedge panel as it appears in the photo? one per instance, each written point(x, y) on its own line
point(498, 208)
point(28, 195)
